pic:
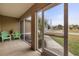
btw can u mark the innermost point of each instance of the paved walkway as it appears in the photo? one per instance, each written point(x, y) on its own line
point(61, 32)
point(73, 33)
point(54, 46)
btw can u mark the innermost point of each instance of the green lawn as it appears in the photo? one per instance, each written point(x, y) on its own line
point(73, 43)
point(74, 31)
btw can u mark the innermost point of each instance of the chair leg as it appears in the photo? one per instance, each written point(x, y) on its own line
point(19, 38)
point(10, 38)
point(2, 40)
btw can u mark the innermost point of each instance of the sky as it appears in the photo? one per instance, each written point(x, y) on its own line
point(73, 13)
point(55, 16)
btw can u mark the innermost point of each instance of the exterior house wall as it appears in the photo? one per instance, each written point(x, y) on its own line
point(0, 24)
point(9, 23)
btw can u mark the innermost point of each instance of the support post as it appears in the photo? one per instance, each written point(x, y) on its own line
point(65, 29)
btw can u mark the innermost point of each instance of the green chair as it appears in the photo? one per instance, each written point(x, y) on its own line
point(5, 36)
point(16, 35)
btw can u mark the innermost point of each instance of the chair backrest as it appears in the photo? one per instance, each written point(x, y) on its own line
point(17, 34)
point(4, 34)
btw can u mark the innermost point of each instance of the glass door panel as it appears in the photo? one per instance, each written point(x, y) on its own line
point(73, 28)
point(54, 29)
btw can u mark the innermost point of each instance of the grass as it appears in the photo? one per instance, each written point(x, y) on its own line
point(73, 40)
point(60, 40)
point(73, 43)
point(74, 31)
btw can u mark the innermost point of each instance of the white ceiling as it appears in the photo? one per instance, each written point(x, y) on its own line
point(14, 9)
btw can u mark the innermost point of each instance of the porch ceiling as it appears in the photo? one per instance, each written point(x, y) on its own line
point(14, 9)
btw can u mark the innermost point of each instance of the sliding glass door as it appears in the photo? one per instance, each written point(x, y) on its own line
point(39, 29)
point(73, 28)
point(54, 29)
point(21, 29)
point(58, 29)
point(28, 29)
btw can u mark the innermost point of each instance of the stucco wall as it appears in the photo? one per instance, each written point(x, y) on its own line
point(9, 23)
point(0, 24)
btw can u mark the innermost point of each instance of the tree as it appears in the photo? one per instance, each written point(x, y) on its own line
point(54, 27)
point(49, 27)
point(75, 26)
point(78, 27)
point(70, 28)
point(40, 23)
point(60, 27)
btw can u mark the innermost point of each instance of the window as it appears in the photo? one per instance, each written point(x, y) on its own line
point(28, 29)
point(39, 29)
point(73, 28)
point(54, 29)
point(61, 29)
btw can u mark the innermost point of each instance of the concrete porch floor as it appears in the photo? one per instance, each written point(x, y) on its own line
point(16, 48)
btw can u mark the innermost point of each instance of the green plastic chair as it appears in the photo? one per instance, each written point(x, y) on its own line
point(16, 35)
point(5, 36)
